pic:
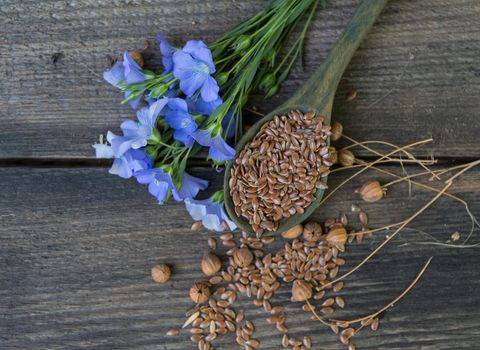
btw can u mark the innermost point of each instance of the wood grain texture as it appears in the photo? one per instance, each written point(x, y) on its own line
point(76, 247)
point(417, 72)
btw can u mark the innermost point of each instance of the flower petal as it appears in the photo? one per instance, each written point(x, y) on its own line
point(103, 151)
point(167, 51)
point(159, 189)
point(196, 209)
point(200, 51)
point(115, 74)
point(209, 91)
point(207, 108)
point(203, 137)
point(121, 168)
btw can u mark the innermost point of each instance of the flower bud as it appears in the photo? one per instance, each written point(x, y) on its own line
point(301, 290)
point(272, 91)
point(346, 158)
point(222, 78)
point(337, 236)
point(243, 257)
point(268, 81)
point(242, 43)
point(210, 264)
point(337, 130)
point(137, 57)
point(371, 191)
point(161, 273)
point(332, 155)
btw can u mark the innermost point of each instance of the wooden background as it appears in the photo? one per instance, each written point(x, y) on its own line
point(77, 244)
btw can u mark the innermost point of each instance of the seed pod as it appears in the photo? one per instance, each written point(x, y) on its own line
point(137, 57)
point(243, 257)
point(371, 191)
point(294, 232)
point(337, 130)
point(346, 158)
point(301, 290)
point(161, 273)
point(337, 237)
point(332, 155)
point(312, 232)
point(210, 264)
point(200, 292)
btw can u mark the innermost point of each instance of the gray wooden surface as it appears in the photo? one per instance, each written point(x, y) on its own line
point(76, 247)
point(77, 244)
point(417, 72)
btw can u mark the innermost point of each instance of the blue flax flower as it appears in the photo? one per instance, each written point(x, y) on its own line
point(193, 66)
point(127, 72)
point(137, 133)
point(207, 108)
point(167, 51)
point(160, 183)
point(179, 119)
point(127, 164)
point(211, 213)
point(219, 149)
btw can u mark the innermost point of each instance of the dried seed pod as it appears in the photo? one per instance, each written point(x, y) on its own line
point(337, 237)
point(332, 155)
point(371, 191)
point(137, 57)
point(337, 130)
point(161, 273)
point(301, 290)
point(294, 232)
point(211, 264)
point(243, 257)
point(200, 292)
point(312, 232)
point(346, 157)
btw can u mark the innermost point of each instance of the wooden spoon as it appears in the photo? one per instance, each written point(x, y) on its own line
point(315, 95)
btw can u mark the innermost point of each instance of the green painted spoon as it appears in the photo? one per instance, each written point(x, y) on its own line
point(315, 95)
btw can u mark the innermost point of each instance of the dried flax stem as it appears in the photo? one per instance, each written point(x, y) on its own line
point(312, 309)
point(384, 243)
point(408, 154)
point(369, 165)
point(394, 301)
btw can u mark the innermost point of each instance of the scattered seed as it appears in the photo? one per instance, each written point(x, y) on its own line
point(212, 243)
point(340, 301)
point(173, 332)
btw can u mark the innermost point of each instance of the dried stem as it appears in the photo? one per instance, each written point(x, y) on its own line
point(384, 243)
point(371, 164)
point(393, 302)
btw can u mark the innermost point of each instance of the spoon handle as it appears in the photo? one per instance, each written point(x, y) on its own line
point(318, 92)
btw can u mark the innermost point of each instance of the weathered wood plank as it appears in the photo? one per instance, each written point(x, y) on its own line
point(417, 73)
point(76, 246)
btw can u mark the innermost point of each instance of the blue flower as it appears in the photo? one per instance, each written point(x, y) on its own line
point(137, 134)
point(193, 66)
point(127, 164)
point(190, 186)
point(180, 120)
point(160, 183)
point(167, 51)
point(207, 108)
point(219, 149)
point(127, 72)
point(211, 213)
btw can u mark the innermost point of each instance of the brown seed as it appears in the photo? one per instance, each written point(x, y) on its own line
point(351, 346)
point(212, 243)
point(161, 273)
point(285, 341)
point(307, 342)
point(281, 327)
point(375, 324)
point(173, 332)
point(350, 96)
point(253, 343)
point(294, 232)
point(328, 302)
point(196, 338)
point(197, 225)
point(226, 236)
point(294, 342)
point(327, 310)
point(340, 301)
point(337, 287)
point(215, 279)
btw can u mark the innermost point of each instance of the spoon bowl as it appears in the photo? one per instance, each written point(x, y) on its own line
point(316, 95)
